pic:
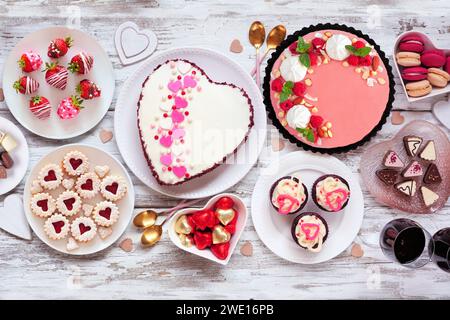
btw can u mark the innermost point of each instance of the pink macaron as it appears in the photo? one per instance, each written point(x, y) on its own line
point(433, 58)
point(412, 44)
point(447, 64)
point(414, 73)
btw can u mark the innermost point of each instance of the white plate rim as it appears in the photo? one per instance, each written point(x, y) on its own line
point(23, 123)
point(307, 160)
point(26, 196)
point(146, 65)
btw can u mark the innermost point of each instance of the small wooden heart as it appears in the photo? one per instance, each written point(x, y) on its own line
point(236, 46)
point(397, 118)
point(12, 217)
point(105, 135)
point(441, 111)
point(132, 44)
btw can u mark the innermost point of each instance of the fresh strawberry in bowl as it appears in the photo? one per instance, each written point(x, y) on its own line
point(59, 47)
point(56, 75)
point(81, 63)
point(69, 107)
point(40, 107)
point(26, 85)
point(30, 61)
point(88, 89)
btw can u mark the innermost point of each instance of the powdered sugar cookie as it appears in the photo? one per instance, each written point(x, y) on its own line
point(50, 176)
point(75, 163)
point(101, 171)
point(83, 229)
point(113, 188)
point(88, 185)
point(68, 183)
point(68, 203)
point(106, 213)
point(57, 227)
point(43, 205)
point(36, 187)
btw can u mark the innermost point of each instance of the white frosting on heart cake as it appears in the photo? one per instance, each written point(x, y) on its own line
point(188, 123)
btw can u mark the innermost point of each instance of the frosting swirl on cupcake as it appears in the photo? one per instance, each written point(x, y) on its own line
point(332, 193)
point(310, 232)
point(288, 195)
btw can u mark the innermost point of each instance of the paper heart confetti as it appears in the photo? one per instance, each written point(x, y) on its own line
point(12, 217)
point(105, 135)
point(357, 251)
point(133, 44)
point(236, 46)
point(126, 245)
point(247, 249)
point(397, 118)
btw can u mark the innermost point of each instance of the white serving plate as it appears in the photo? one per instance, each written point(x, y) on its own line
point(219, 68)
point(275, 229)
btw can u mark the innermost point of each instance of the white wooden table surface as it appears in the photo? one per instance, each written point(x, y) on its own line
point(32, 270)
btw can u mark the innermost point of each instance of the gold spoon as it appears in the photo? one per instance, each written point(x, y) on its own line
point(256, 36)
point(274, 39)
point(145, 218)
point(152, 234)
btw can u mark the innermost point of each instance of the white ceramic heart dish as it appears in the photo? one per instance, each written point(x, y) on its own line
point(239, 206)
point(428, 45)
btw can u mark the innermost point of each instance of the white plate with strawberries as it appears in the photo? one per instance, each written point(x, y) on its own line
point(58, 82)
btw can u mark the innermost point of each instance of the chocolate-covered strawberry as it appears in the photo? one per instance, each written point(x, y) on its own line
point(56, 75)
point(40, 107)
point(26, 85)
point(69, 107)
point(30, 61)
point(81, 63)
point(59, 47)
point(88, 89)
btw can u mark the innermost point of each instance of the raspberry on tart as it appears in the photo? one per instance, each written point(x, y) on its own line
point(57, 227)
point(83, 229)
point(43, 205)
point(88, 185)
point(68, 203)
point(50, 176)
point(113, 188)
point(105, 213)
point(75, 163)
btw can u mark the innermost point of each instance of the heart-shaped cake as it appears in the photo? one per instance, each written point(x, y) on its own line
point(189, 124)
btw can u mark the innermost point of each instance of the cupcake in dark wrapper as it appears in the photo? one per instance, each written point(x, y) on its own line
point(310, 231)
point(288, 195)
point(331, 193)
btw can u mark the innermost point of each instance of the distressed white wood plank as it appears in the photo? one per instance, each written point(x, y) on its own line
point(32, 270)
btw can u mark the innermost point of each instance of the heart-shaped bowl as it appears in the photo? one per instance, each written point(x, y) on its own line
point(372, 160)
point(428, 46)
point(239, 206)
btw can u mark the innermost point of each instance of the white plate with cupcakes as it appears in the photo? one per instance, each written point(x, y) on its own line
point(307, 208)
point(58, 82)
point(78, 199)
point(190, 122)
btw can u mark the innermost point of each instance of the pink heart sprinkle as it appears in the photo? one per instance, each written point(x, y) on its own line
point(166, 141)
point(177, 116)
point(339, 199)
point(180, 103)
point(311, 230)
point(179, 171)
point(166, 159)
point(174, 86)
point(178, 133)
point(286, 203)
point(189, 82)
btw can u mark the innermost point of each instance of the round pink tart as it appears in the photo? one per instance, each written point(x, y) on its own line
point(328, 88)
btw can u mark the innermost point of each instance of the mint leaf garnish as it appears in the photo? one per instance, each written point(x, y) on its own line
point(304, 60)
point(302, 46)
point(286, 91)
point(307, 133)
point(361, 52)
point(350, 48)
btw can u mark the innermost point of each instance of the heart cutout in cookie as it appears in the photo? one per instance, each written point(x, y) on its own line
point(207, 111)
point(58, 225)
point(422, 52)
point(75, 163)
point(88, 185)
point(51, 176)
point(12, 217)
point(69, 203)
point(133, 44)
point(43, 204)
point(105, 213)
point(83, 228)
point(112, 188)
point(387, 194)
point(241, 219)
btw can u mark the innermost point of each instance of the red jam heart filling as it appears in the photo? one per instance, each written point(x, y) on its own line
point(58, 226)
point(87, 185)
point(75, 163)
point(43, 204)
point(112, 187)
point(83, 228)
point(51, 176)
point(106, 213)
point(69, 203)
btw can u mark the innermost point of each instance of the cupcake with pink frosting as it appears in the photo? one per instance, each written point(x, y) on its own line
point(288, 195)
point(331, 193)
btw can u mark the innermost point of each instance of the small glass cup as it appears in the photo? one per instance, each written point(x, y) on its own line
point(406, 242)
point(441, 254)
